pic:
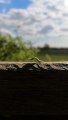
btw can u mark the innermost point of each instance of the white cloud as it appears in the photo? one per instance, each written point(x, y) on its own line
point(41, 18)
point(4, 1)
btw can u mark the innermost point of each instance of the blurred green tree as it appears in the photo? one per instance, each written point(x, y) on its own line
point(14, 49)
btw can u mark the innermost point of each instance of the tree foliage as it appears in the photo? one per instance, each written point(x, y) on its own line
point(14, 49)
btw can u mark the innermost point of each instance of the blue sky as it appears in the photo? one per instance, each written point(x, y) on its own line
point(19, 4)
point(40, 21)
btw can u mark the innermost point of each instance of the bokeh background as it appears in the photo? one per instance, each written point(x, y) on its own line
point(33, 28)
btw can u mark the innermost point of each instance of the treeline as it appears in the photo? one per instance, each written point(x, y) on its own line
point(14, 49)
point(46, 47)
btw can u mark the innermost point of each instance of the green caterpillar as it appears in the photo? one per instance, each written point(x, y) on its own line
point(37, 59)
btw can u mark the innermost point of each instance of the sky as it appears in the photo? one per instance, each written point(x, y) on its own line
point(39, 21)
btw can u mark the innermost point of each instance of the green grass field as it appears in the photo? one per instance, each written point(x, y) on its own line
point(53, 54)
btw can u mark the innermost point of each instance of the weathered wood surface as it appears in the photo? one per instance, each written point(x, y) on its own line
point(32, 89)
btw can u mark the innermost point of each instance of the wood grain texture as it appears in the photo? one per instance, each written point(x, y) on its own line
point(31, 89)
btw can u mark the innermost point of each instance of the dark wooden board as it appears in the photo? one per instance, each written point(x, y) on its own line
point(33, 89)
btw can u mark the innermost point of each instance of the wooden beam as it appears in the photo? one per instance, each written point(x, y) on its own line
point(33, 89)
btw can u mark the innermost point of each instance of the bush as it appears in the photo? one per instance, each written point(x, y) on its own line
point(14, 49)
